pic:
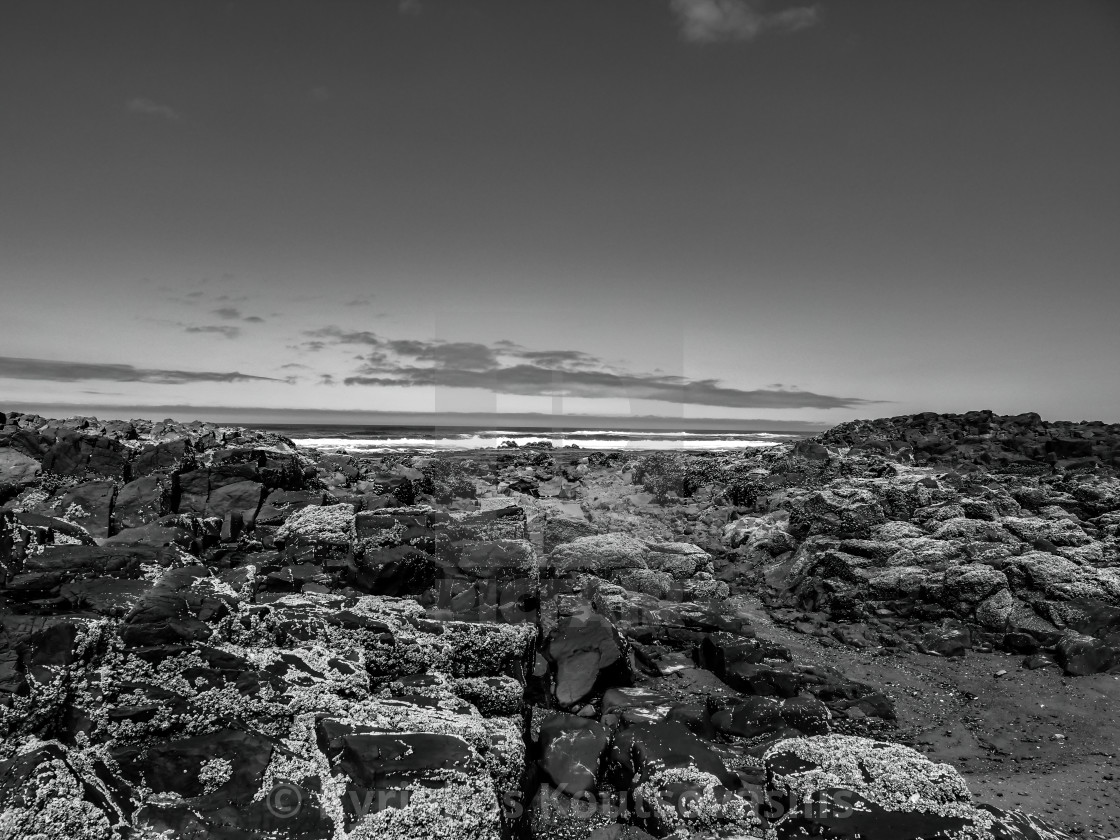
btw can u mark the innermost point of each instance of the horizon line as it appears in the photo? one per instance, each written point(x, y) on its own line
point(299, 416)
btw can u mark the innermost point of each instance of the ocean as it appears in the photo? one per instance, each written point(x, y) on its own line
point(371, 439)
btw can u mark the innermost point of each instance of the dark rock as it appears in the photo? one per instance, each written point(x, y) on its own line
point(587, 656)
point(1082, 655)
point(644, 749)
point(166, 456)
point(17, 470)
point(242, 497)
point(91, 506)
point(191, 491)
point(950, 641)
point(141, 502)
point(571, 749)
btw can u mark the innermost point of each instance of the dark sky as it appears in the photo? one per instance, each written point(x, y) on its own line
point(696, 208)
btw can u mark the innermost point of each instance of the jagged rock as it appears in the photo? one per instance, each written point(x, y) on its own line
point(841, 512)
point(215, 664)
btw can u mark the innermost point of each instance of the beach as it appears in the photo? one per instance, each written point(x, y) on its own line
point(526, 611)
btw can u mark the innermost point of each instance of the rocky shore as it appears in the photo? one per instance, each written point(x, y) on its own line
point(903, 628)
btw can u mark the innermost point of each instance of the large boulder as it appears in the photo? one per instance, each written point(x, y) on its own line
point(571, 749)
point(325, 524)
point(847, 787)
point(681, 783)
point(840, 511)
point(586, 653)
point(600, 554)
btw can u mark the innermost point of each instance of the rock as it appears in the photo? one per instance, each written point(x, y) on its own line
point(166, 456)
point(587, 655)
point(681, 781)
point(636, 705)
point(847, 787)
point(198, 667)
point(1082, 655)
point(325, 525)
point(972, 529)
point(947, 641)
point(571, 749)
point(17, 470)
point(619, 832)
point(192, 490)
point(706, 590)
point(558, 531)
point(754, 717)
point(994, 612)
point(681, 560)
point(500, 523)
point(280, 503)
point(660, 585)
point(243, 497)
point(600, 554)
point(1015, 825)
point(40, 772)
point(91, 506)
point(1059, 532)
point(1039, 660)
point(841, 512)
point(410, 783)
point(766, 533)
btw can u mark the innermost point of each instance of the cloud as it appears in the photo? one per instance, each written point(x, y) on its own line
point(709, 21)
point(532, 380)
point(227, 312)
point(140, 105)
point(508, 368)
point(410, 7)
point(228, 332)
point(253, 319)
point(55, 371)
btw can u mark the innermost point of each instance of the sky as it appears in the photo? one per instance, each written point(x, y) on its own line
point(728, 209)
